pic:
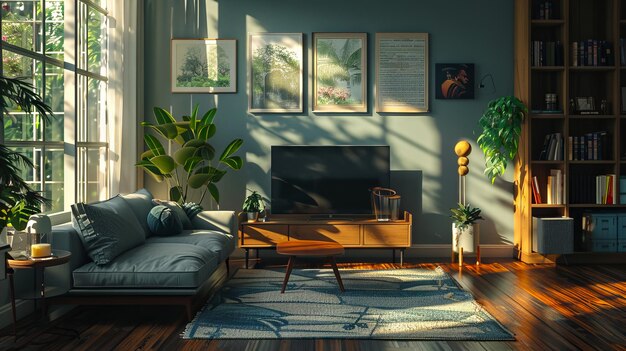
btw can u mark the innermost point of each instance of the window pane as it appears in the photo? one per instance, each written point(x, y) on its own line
point(96, 42)
point(21, 21)
point(92, 117)
point(54, 184)
point(55, 98)
point(54, 29)
point(92, 174)
point(31, 175)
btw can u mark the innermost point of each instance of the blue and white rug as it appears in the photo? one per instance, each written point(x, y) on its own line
point(417, 304)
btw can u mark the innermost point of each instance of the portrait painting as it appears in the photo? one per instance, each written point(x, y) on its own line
point(454, 81)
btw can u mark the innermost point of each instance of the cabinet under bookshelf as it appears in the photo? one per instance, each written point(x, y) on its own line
point(571, 73)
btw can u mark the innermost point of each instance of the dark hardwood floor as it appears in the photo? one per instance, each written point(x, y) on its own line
point(547, 307)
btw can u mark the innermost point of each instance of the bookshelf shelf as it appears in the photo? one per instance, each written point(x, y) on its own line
point(588, 74)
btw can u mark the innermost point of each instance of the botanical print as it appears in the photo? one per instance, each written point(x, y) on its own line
point(204, 66)
point(275, 72)
point(339, 72)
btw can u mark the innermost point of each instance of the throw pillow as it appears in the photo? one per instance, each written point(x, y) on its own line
point(107, 228)
point(141, 203)
point(163, 221)
point(191, 209)
point(175, 207)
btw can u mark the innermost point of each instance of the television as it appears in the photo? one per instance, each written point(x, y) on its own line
point(326, 180)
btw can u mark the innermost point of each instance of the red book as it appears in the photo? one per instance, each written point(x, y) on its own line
point(536, 193)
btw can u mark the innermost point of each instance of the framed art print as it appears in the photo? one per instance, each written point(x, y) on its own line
point(339, 72)
point(275, 72)
point(454, 81)
point(204, 65)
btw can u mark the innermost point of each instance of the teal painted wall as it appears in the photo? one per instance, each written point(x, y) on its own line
point(424, 164)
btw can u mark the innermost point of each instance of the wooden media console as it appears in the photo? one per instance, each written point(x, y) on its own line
point(351, 232)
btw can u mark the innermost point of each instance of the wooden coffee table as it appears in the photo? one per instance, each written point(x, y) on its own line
point(299, 248)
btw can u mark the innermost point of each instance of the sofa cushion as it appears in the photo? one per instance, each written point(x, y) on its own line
point(162, 221)
point(151, 265)
point(141, 203)
point(174, 206)
point(212, 240)
point(107, 228)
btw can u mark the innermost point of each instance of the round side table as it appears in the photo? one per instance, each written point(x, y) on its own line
point(57, 258)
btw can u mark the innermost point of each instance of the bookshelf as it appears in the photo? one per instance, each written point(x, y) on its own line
point(569, 71)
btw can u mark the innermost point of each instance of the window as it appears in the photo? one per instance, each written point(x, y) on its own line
point(61, 48)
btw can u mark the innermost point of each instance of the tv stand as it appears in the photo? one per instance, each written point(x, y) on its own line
point(358, 232)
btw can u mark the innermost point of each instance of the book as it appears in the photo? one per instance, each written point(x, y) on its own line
point(536, 193)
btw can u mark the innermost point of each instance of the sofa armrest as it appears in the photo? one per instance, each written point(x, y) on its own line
point(224, 221)
point(65, 237)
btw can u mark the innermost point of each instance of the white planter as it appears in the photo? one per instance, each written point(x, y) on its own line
point(467, 239)
point(252, 216)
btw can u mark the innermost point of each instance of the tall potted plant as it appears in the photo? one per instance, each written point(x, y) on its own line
point(18, 201)
point(501, 125)
point(193, 165)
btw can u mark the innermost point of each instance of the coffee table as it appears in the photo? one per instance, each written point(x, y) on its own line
point(305, 248)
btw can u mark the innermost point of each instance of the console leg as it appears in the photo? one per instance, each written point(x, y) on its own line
point(401, 257)
point(289, 268)
point(336, 270)
point(257, 253)
point(393, 256)
point(247, 257)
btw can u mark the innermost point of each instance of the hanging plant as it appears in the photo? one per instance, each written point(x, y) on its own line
point(501, 125)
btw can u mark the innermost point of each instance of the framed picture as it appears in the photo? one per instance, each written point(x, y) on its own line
point(454, 81)
point(401, 72)
point(339, 72)
point(275, 72)
point(585, 104)
point(204, 65)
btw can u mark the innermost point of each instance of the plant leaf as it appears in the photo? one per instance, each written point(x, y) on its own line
point(183, 154)
point(231, 148)
point(164, 163)
point(154, 144)
point(163, 116)
point(196, 181)
point(215, 193)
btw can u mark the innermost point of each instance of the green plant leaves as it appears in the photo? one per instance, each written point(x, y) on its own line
point(501, 128)
point(154, 145)
point(164, 163)
point(176, 193)
point(183, 154)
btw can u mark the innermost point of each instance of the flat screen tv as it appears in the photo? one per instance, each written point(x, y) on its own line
point(326, 180)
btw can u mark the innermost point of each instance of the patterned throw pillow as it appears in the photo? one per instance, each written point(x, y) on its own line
point(175, 207)
point(192, 209)
point(106, 229)
point(164, 222)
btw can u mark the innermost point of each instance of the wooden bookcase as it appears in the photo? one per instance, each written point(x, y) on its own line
point(568, 21)
point(352, 233)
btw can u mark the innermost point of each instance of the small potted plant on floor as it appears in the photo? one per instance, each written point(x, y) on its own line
point(465, 228)
point(253, 205)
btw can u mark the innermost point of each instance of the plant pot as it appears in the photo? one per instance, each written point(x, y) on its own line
point(467, 239)
point(252, 216)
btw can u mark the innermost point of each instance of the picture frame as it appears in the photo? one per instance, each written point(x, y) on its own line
point(339, 72)
point(275, 72)
point(401, 73)
point(454, 81)
point(585, 104)
point(204, 66)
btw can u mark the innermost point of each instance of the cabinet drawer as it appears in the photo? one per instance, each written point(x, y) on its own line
point(264, 235)
point(343, 234)
point(386, 235)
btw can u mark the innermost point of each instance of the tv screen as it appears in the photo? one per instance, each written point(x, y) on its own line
point(326, 179)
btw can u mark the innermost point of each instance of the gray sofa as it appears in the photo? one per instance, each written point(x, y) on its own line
point(179, 269)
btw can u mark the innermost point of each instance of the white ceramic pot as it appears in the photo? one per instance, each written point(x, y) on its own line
point(467, 239)
point(252, 216)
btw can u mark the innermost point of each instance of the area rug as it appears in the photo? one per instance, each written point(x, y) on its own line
point(412, 304)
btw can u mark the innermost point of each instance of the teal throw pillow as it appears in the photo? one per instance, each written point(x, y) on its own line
point(107, 228)
point(162, 221)
point(175, 207)
point(191, 209)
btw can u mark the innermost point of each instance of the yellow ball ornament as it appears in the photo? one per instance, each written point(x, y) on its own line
point(463, 170)
point(463, 161)
point(462, 148)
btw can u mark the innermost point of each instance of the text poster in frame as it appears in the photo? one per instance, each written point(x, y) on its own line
point(275, 72)
point(401, 72)
point(204, 66)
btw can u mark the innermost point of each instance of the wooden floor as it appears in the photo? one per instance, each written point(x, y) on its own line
point(547, 307)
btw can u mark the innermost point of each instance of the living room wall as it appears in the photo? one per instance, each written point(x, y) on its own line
point(422, 158)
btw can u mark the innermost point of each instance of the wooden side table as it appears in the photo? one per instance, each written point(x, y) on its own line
point(297, 248)
point(57, 258)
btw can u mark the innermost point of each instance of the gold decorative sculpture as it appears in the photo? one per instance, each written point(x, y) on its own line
point(462, 149)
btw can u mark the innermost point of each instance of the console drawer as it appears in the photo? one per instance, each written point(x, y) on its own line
point(342, 234)
point(264, 235)
point(386, 235)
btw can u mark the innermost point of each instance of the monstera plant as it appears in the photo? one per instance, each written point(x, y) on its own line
point(18, 201)
point(501, 125)
point(194, 164)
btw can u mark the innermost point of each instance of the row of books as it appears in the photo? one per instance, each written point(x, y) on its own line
point(552, 148)
point(592, 52)
point(591, 146)
point(592, 189)
point(622, 51)
point(555, 188)
point(545, 10)
point(622, 190)
point(546, 53)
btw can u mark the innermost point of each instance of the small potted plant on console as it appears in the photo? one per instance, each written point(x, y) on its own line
point(253, 205)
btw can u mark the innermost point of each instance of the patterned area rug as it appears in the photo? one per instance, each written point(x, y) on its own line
point(416, 304)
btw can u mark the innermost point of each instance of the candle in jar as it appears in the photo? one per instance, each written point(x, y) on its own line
point(40, 250)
